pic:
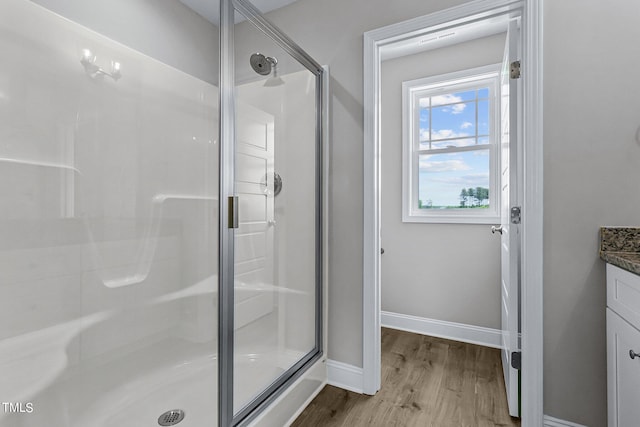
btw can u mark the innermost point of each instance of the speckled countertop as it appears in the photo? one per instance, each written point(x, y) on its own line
point(620, 246)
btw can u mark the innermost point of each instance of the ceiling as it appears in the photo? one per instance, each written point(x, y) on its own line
point(210, 9)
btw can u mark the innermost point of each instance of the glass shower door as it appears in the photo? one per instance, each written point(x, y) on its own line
point(277, 181)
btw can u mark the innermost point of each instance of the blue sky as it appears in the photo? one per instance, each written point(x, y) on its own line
point(443, 176)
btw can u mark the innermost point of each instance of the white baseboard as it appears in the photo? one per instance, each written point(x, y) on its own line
point(555, 422)
point(345, 376)
point(487, 337)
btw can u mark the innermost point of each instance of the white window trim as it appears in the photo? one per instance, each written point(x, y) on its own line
point(410, 90)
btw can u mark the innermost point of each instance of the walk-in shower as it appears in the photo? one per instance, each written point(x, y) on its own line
point(161, 216)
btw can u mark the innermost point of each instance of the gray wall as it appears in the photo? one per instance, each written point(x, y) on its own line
point(421, 274)
point(591, 173)
point(591, 115)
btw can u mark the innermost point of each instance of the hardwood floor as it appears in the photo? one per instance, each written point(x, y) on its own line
point(426, 381)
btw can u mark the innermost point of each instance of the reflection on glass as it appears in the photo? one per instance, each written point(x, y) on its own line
point(275, 246)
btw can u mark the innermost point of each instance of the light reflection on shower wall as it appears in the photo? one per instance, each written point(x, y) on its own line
point(108, 214)
point(162, 29)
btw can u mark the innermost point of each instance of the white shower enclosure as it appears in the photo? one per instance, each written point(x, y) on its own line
point(161, 215)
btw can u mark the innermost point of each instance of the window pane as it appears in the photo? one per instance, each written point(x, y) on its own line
point(483, 117)
point(424, 102)
point(483, 140)
point(452, 98)
point(483, 93)
point(454, 180)
point(424, 128)
point(453, 121)
point(451, 143)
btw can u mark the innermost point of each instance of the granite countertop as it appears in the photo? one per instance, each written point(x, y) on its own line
point(620, 246)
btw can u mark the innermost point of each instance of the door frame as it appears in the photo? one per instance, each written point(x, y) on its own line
point(532, 200)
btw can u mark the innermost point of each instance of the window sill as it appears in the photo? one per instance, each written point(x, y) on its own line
point(452, 219)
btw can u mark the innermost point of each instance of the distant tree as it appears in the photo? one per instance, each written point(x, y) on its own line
point(471, 192)
point(482, 194)
point(464, 196)
point(419, 204)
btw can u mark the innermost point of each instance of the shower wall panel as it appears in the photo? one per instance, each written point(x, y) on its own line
point(108, 225)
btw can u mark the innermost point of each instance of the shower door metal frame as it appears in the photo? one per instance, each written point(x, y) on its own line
point(227, 192)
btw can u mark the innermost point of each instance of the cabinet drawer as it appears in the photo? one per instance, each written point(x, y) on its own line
point(623, 294)
point(623, 372)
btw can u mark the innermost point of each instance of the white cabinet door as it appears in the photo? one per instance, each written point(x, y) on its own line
point(623, 372)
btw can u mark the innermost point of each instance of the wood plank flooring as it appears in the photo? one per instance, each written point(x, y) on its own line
point(426, 382)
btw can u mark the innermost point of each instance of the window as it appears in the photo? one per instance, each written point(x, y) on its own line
point(450, 148)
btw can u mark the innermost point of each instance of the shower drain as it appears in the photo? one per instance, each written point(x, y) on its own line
point(171, 418)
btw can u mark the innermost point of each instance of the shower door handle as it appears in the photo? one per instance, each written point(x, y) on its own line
point(233, 208)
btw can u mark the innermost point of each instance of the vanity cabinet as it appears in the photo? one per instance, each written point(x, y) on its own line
point(623, 347)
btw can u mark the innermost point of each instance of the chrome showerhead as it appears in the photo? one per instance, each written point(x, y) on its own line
point(265, 65)
point(261, 64)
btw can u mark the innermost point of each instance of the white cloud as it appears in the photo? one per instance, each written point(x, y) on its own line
point(482, 153)
point(458, 108)
point(438, 137)
point(471, 180)
point(424, 102)
point(444, 99)
point(447, 133)
point(466, 125)
point(453, 165)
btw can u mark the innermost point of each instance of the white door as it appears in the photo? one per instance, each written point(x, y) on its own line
point(254, 245)
point(510, 240)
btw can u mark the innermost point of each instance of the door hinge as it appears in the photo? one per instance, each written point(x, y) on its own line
point(516, 360)
point(233, 212)
point(516, 216)
point(515, 70)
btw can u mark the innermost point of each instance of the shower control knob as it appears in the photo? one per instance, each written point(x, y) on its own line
point(633, 354)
